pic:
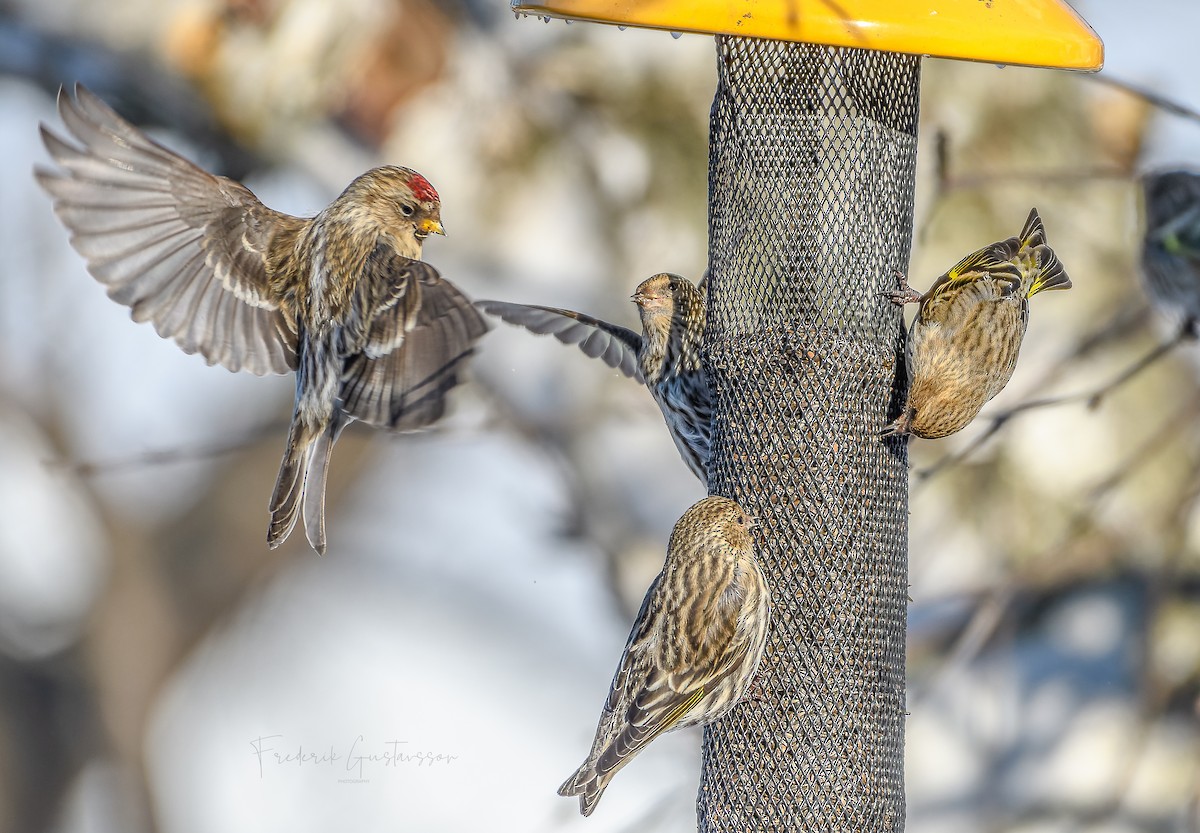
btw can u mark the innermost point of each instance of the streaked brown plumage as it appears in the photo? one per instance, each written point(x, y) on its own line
point(1171, 244)
point(694, 648)
point(666, 356)
point(963, 343)
point(342, 298)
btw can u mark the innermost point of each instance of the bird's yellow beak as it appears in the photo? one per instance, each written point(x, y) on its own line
point(638, 298)
point(431, 226)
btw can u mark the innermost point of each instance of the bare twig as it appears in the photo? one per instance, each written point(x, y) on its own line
point(990, 611)
point(1144, 452)
point(165, 456)
point(1097, 397)
point(1093, 398)
point(991, 607)
point(1158, 100)
point(946, 183)
point(1069, 176)
point(192, 453)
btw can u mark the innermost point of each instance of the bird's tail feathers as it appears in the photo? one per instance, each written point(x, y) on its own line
point(288, 496)
point(314, 487)
point(1050, 273)
point(1033, 233)
point(588, 784)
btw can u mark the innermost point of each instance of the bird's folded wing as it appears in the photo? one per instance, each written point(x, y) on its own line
point(653, 712)
point(647, 697)
point(616, 346)
point(182, 248)
point(414, 350)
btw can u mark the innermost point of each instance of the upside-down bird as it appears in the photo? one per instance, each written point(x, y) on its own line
point(342, 298)
point(665, 356)
point(963, 343)
point(694, 648)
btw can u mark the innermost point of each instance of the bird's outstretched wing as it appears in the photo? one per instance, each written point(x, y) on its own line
point(182, 248)
point(414, 349)
point(616, 346)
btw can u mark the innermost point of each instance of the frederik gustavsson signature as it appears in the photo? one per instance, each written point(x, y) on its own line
point(272, 750)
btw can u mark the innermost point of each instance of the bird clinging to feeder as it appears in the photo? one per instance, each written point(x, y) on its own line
point(666, 356)
point(964, 342)
point(813, 139)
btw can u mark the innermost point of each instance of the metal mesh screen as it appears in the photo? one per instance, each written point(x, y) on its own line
point(811, 173)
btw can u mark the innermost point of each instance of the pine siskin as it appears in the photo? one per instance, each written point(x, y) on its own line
point(666, 356)
point(963, 344)
point(694, 647)
point(374, 333)
point(1171, 246)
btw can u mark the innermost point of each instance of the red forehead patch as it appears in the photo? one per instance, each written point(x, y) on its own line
point(422, 190)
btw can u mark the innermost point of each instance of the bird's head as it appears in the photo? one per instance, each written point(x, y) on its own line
point(719, 519)
point(737, 525)
point(666, 296)
point(672, 313)
point(401, 204)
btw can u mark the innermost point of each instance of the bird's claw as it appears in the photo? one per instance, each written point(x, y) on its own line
point(904, 294)
point(755, 691)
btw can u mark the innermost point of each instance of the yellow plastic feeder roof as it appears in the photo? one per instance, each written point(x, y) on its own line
point(1041, 33)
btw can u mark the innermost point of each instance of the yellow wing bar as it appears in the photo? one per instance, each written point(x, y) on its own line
point(1044, 33)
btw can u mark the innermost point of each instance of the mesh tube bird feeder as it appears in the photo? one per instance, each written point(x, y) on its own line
point(813, 140)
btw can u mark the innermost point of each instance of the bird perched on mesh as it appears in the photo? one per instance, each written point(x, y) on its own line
point(694, 648)
point(341, 298)
point(1171, 245)
point(963, 343)
point(665, 356)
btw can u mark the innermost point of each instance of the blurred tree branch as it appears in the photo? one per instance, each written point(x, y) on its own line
point(1094, 398)
point(1156, 100)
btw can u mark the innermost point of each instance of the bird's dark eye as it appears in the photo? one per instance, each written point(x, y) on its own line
point(406, 210)
point(742, 521)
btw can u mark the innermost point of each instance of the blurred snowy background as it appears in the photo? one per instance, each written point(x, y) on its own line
point(161, 670)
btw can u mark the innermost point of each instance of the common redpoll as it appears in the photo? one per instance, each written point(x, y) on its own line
point(963, 344)
point(342, 298)
point(666, 356)
point(694, 647)
point(1171, 244)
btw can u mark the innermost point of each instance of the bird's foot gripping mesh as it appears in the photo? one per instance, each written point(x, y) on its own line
point(811, 174)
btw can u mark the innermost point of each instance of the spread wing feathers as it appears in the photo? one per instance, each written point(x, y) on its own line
point(616, 346)
point(414, 351)
point(386, 302)
point(180, 247)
